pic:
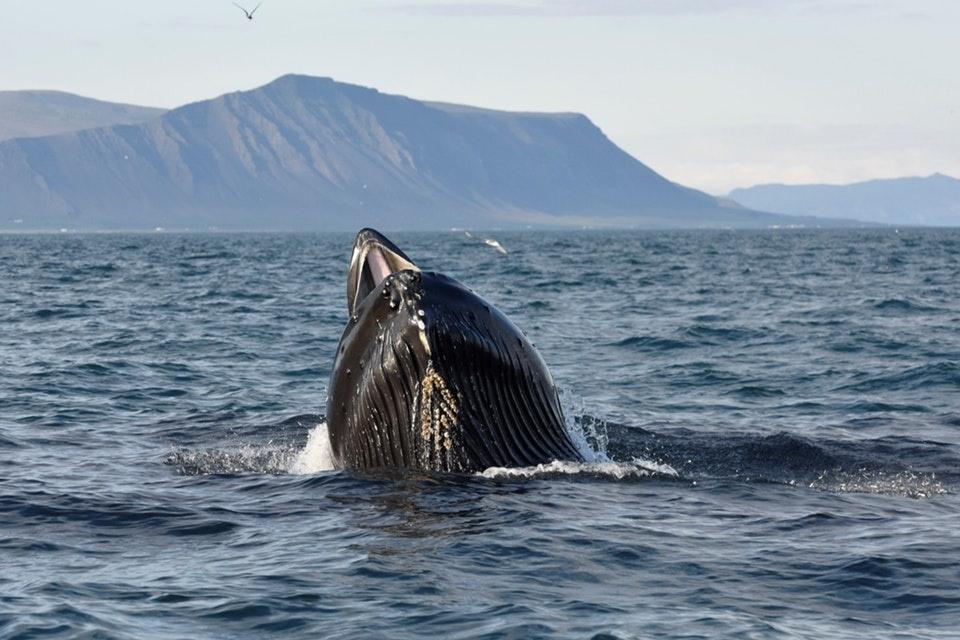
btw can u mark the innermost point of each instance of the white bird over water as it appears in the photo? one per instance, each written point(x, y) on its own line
point(496, 245)
point(490, 242)
point(249, 14)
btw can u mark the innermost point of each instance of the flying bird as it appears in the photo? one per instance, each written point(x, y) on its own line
point(249, 14)
point(490, 242)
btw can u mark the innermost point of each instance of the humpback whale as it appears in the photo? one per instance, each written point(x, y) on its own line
point(429, 376)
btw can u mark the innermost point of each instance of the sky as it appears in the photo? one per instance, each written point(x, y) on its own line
point(713, 94)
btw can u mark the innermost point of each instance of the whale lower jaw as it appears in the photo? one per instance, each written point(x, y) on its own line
point(508, 412)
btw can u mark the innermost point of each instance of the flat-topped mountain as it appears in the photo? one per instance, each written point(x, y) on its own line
point(42, 113)
point(933, 200)
point(311, 153)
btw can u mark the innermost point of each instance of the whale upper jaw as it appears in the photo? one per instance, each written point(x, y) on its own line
point(374, 258)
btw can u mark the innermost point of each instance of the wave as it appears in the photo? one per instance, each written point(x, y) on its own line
point(214, 255)
point(651, 343)
point(752, 391)
point(698, 335)
point(902, 305)
point(707, 334)
point(885, 466)
point(920, 377)
point(62, 312)
point(8, 443)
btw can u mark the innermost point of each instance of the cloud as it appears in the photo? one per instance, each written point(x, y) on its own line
point(583, 8)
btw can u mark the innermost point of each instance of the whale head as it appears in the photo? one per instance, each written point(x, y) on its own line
point(430, 376)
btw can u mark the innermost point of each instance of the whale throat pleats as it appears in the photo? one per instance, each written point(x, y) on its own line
point(505, 411)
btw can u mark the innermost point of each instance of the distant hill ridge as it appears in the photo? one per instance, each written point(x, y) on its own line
point(311, 153)
point(43, 113)
point(932, 200)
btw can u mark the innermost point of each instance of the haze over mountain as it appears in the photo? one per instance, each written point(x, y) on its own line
point(311, 153)
point(43, 113)
point(933, 200)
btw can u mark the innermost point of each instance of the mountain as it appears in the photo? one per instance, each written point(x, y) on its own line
point(934, 200)
point(42, 113)
point(311, 153)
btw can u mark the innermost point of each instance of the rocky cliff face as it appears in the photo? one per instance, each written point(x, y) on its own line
point(311, 153)
point(28, 114)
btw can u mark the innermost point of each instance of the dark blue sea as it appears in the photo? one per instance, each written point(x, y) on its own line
point(774, 418)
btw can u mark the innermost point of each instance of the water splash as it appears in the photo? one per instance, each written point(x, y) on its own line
point(316, 455)
point(271, 458)
point(590, 439)
point(637, 468)
point(904, 483)
point(589, 434)
point(688, 456)
point(265, 459)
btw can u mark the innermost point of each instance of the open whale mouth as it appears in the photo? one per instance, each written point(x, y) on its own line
point(374, 258)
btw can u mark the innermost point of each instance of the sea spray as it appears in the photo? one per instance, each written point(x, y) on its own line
point(636, 468)
point(316, 455)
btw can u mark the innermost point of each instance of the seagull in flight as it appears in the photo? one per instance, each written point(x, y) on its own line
point(249, 14)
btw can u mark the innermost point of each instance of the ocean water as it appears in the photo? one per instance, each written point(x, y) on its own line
point(774, 416)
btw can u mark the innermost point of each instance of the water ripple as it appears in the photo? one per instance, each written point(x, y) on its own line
point(774, 416)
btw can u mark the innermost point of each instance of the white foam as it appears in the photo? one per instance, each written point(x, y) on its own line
point(316, 455)
point(637, 468)
point(907, 484)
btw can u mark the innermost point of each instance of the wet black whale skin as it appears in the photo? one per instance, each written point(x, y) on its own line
point(429, 376)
